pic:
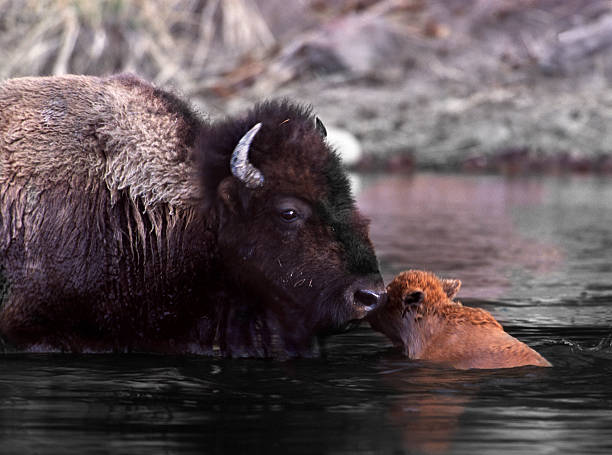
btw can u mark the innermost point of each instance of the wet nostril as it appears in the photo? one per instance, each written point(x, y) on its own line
point(368, 298)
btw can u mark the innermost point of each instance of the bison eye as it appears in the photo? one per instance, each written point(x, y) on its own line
point(291, 212)
point(289, 215)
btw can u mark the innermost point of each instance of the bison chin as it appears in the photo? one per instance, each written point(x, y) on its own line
point(282, 322)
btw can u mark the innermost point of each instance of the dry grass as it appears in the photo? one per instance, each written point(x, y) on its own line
point(177, 41)
point(483, 75)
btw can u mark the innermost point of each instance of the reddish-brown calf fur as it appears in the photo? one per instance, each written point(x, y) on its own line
point(421, 317)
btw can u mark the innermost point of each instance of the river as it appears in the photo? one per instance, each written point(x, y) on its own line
point(536, 252)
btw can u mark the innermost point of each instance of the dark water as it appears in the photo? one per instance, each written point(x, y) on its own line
point(537, 253)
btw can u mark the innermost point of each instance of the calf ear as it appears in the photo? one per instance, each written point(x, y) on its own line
point(451, 287)
point(412, 300)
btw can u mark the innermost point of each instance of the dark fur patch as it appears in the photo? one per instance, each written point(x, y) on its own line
point(338, 210)
point(4, 287)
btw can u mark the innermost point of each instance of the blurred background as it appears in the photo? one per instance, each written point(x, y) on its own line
point(486, 91)
point(506, 86)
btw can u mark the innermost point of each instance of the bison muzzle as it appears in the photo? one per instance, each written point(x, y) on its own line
point(128, 223)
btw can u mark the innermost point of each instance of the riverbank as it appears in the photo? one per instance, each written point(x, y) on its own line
point(528, 126)
point(495, 87)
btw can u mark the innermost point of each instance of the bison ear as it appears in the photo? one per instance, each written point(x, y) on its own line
point(228, 195)
point(451, 287)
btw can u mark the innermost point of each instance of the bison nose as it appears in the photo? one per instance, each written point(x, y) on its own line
point(369, 299)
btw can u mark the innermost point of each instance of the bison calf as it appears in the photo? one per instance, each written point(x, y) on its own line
point(127, 222)
point(421, 317)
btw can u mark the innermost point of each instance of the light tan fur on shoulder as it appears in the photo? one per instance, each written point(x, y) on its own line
point(421, 317)
point(44, 121)
point(94, 133)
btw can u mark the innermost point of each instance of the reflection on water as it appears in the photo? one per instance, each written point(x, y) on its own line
point(536, 253)
point(464, 226)
point(542, 244)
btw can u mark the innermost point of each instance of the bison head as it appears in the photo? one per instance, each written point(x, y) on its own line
point(291, 241)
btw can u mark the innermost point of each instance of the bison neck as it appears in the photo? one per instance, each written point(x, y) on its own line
point(239, 324)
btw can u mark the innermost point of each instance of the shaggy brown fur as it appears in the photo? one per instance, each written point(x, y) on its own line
point(122, 228)
point(421, 317)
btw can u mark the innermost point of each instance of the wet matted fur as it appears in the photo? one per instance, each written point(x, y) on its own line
point(122, 228)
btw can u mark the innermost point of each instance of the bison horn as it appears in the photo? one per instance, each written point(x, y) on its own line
point(320, 127)
point(241, 168)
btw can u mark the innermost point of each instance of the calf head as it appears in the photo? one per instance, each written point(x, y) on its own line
point(410, 296)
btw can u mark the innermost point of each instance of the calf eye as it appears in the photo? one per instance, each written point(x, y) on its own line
point(289, 215)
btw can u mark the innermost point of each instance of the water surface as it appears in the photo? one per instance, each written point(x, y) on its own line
point(537, 253)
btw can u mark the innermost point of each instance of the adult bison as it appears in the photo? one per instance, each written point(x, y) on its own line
point(128, 223)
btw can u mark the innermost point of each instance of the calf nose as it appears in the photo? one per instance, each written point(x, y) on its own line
point(369, 299)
